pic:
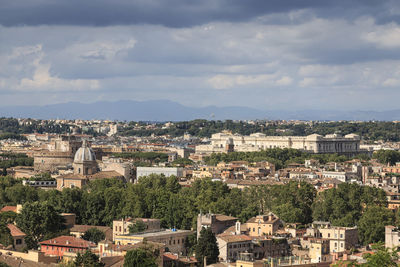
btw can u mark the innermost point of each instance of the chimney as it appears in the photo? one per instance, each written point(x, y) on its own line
point(237, 228)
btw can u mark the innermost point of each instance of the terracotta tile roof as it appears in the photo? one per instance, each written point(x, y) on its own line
point(175, 257)
point(110, 261)
point(263, 218)
point(9, 208)
point(68, 241)
point(232, 229)
point(221, 217)
point(72, 176)
point(105, 174)
point(234, 238)
point(15, 231)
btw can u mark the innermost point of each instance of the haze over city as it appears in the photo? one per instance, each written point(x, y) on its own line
point(268, 55)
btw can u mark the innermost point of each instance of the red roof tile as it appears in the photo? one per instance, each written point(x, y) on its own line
point(15, 231)
point(68, 241)
point(9, 208)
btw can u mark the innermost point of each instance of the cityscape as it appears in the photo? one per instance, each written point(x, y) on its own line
point(219, 133)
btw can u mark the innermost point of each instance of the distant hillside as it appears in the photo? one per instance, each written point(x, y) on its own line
point(164, 110)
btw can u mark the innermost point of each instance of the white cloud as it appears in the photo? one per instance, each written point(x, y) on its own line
point(41, 80)
point(284, 81)
point(384, 36)
point(103, 50)
point(391, 82)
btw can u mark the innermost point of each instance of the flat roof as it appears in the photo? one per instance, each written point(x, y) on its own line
point(157, 233)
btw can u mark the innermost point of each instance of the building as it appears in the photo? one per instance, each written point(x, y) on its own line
point(18, 237)
point(166, 171)
point(117, 164)
point(217, 222)
point(121, 227)
point(392, 236)
point(247, 260)
point(319, 250)
point(230, 246)
point(270, 247)
point(85, 169)
point(333, 143)
point(57, 246)
point(263, 225)
point(58, 154)
point(340, 238)
point(173, 239)
point(85, 161)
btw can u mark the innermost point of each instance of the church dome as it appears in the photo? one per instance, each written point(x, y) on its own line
point(84, 153)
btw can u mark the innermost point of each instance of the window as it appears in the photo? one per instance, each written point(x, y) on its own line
point(341, 245)
point(18, 241)
point(329, 235)
point(341, 235)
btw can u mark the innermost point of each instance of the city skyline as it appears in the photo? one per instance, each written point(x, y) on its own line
point(269, 55)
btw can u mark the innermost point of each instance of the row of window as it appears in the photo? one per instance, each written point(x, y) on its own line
point(62, 249)
point(239, 245)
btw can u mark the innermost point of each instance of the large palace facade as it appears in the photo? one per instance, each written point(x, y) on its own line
point(333, 143)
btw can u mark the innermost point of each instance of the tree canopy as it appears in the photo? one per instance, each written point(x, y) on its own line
point(207, 247)
point(93, 234)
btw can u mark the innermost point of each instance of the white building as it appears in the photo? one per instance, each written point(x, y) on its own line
point(167, 171)
point(333, 143)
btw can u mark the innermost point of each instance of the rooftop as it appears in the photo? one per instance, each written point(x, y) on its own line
point(15, 231)
point(158, 233)
point(68, 241)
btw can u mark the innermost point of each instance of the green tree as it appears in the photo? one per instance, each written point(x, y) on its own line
point(382, 257)
point(93, 234)
point(87, 259)
point(140, 257)
point(387, 156)
point(207, 247)
point(39, 220)
point(5, 235)
point(371, 227)
point(137, 227)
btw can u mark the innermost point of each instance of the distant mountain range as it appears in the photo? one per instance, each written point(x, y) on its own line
point(165, 110)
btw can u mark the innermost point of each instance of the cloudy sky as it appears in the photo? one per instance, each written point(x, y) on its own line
point(267, 54)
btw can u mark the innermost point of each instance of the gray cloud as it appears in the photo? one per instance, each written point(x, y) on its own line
point(177, 13)
point(264, 54)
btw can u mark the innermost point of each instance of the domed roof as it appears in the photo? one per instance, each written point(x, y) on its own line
point(84, 153)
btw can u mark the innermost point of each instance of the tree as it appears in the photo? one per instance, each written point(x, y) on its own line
point(39, 220)
point(371, 227)
point(5, 235)
point(137, 227)
point(140, 257)
point(94, 235)
point(207, 247)
point(87, 259)
point(382, 257)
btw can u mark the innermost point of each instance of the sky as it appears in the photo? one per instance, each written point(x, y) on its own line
point(270, 55)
